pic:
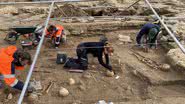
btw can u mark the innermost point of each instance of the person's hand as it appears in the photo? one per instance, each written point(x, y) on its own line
point(110, 73)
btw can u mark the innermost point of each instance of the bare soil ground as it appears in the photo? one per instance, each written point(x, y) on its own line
point(128, 88)
point(150, 86)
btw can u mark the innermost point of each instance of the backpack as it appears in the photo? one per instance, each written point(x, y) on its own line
point(72, 63)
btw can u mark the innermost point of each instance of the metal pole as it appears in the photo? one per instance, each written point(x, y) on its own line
point(35, 57)
point(44, 2)
point(169, 32)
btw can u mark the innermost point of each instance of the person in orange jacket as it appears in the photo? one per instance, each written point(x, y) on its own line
point(57, 34)
point(12, 58)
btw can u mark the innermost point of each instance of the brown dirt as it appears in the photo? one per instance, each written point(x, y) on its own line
point(69, 10)
point(128, 89)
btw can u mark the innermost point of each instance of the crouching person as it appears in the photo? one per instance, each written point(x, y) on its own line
point(12, 59)
point(150, 32)
point(97, 49)
point(57, 34)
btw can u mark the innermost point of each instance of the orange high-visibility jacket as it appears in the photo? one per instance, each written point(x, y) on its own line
point(7, 69)
point(58, 33)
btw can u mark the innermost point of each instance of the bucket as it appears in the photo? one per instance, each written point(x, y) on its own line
point(61, 58)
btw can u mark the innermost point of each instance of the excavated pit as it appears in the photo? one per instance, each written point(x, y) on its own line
point(134, 83)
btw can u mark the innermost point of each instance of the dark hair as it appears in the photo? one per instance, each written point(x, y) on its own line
point(11, 34)
point(51, 28)
point(23, 55)
point(103, 39)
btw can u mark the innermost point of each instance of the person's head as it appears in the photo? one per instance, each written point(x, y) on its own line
point(103, 39)
point(22, 58)
point(12, 34)
point(52, 29)
point(109, 48)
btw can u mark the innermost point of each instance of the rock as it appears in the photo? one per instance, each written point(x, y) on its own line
point(109, 73)
point(101, 102)
point(36, 17)
point(81, 82)
point(162, 9)
point(77, 102)
point(36, 85)
point(121, 43)
point(63, 92)
point(125, 39)
point(67, 20)
point(86, 75)
point(110, 103)
point(9, 10)
point(82, 88)
point(71, 81)
point(33, 97)
point(10, 96)
point(172, 22)
point(67, 32)
point(117, 19)
point(176, 58)
point(82, 20)
point(165, 67)
point(130, 11)
point(164, 38)
point(93, 66)
point(90, 19)
point(76, 32)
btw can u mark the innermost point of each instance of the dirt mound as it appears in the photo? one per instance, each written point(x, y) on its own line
point(69, 10)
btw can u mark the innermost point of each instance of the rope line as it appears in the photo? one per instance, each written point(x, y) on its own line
point(167, 29)
point(107, 46)
point(35, 57)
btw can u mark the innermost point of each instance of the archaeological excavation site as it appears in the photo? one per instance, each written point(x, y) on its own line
point(92, 51)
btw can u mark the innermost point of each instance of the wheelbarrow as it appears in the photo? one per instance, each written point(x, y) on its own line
point(13, 36)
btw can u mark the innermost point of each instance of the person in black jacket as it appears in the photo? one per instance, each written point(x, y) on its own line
point(97, 49)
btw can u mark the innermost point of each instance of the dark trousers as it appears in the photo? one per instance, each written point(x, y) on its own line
point(38, 36)
point(19, 85)
point(149, 42)
point(57, 41)
point(138, 38)
point(82, 57)
point(152, 42)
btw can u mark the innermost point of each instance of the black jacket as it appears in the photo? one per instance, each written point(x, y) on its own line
point(96, 49)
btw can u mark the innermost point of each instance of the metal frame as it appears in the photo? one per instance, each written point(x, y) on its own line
point(36, 56)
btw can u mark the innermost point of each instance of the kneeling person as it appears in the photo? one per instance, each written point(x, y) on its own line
point(57, 34)
point(150, 31)
point(12, 58)
point(97, 49)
